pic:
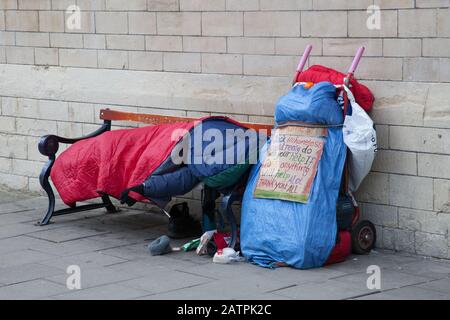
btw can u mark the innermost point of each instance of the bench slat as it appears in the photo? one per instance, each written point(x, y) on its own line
point(107, 114)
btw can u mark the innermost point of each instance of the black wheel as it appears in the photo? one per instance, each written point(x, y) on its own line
point(364, 236)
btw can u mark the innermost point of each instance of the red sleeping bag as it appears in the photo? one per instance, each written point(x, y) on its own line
point(318, 73)
point(112, 162)
point(116, 160)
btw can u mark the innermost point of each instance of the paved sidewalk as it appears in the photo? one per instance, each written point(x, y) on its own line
point(110, 250)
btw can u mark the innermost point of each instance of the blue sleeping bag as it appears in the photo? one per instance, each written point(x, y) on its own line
point(300, 235)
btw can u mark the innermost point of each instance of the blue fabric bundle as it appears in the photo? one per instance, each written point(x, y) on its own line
point(300, 235)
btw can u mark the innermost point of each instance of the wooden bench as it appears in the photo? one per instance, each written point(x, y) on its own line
point(49, 145)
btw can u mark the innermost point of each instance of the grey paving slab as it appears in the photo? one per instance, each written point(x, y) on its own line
point(21, 242)
point(427, 267)
point(220, 271)
point(328, 290)
point(124, 237)
point(26, 272)
point(442, 285)
point(25, 228)
point(94, 277)
point(65, 248)
point(199, 293)
point(13, 218)
point(25, 203)
point(381, 258)
point(14, 230)
point(144, 267)
point(106, 292)
point(408, 293)
point(78, 246)
point(69, 219)
point(390, 279)
point(34, 289)
point(66, 234)
point(12, 207)
point(129, 252)
point(83, 260)
point(160, 281)
point(8, 196)
point(298, 276)
point(133, 219)
point(243, 287)
point(190, 256)
point(21, 257)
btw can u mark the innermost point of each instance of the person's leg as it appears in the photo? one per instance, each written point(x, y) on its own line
point(209, 197)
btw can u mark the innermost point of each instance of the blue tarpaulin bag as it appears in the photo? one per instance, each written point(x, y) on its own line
point(301, 235)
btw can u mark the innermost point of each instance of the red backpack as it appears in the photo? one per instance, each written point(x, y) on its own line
point(318, 73)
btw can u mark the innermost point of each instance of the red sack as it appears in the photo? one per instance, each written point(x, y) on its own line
point(317, 73)
point(342, 249)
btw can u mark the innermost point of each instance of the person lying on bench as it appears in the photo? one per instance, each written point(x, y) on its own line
point(171, 180)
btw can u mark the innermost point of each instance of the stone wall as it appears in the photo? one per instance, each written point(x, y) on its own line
point(262, 38)
point(195, 58)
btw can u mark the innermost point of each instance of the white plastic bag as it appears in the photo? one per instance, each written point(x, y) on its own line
point(361, 138)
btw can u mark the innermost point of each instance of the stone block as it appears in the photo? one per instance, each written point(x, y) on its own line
point(424, 221)
point(434, 165)
point(264, 65)
point(382, 215)
point(222, 63)
point(239, 5)
point(129, 5)
point(442, 195)
point(78, 58)
point(357, 24)
point(205, 44)
point(66, 40)
point(34, 4)
point(391, 161)
point(402, 47)
point(125, 42)
point(428, 140)
point(94, 41)
point(421, 69)
point(51, 21)
point(112, 59)
point(163, 5)
point(348, 47)
point(146, 60)
point(142, 22)
point(179, 23)
point(20, 55)
point(272, 24)
point(431, 245)
point(22, 20)
point(411, 192)
point(374, 189)
point(164, 43)
point(250, 45)
point(417, 23)
point(222, 24)
point(201, 5)
point(183, 62)
point(32, 39)
point(111, 22)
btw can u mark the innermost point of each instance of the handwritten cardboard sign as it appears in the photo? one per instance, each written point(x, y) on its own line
point(290, 166)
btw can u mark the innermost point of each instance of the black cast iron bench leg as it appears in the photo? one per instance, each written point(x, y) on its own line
point(48, 146)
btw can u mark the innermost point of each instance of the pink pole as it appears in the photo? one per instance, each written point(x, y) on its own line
point(355, 62)
point(304, 58)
